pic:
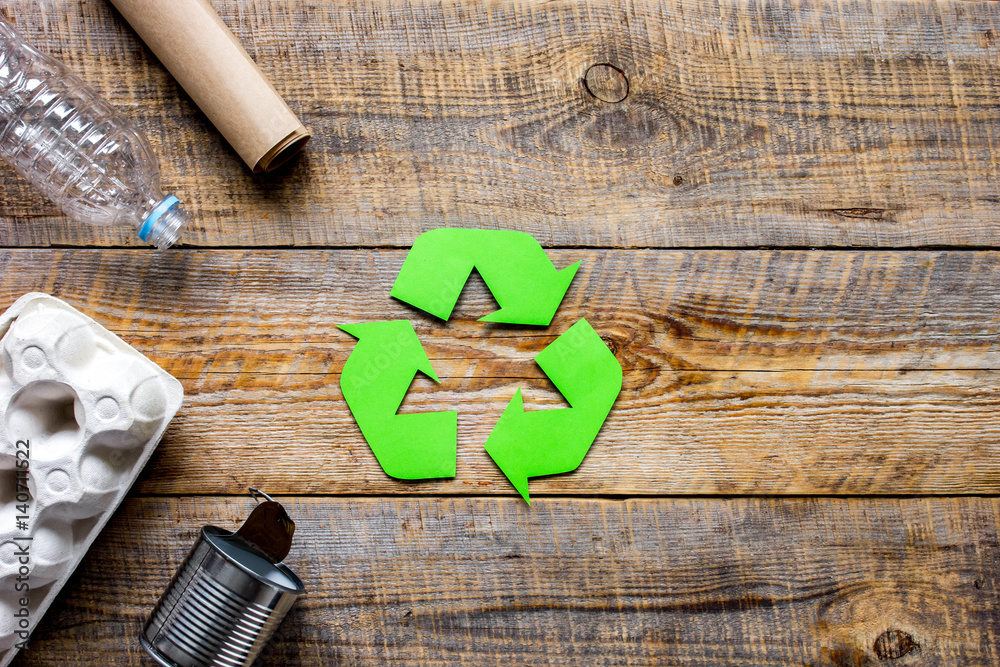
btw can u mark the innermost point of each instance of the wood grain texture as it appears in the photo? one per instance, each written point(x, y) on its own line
point(746, 122)
point(470, 581)
point(746, 372)
point(622, 124)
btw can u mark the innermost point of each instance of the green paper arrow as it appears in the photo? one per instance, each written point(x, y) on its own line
point(521, 277)
point(374, 381)
point(547, 442)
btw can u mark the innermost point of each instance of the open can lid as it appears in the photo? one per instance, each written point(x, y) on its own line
point(277, 575)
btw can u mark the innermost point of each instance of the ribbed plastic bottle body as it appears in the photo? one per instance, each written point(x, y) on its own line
point(61, 136)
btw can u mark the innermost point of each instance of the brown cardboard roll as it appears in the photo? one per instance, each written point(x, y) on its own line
point(190, 39)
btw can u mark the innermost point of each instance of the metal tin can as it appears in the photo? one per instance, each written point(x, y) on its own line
point(222, 606)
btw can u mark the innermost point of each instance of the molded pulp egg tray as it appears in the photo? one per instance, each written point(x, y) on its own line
point(85, 411)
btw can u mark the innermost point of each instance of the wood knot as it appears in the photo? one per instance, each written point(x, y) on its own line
point(893, 644)
point(606, 82)
point(612, 344)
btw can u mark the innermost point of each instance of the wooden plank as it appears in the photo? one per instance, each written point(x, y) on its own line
point(471, 581)
point(745, 372)
point(746, 122)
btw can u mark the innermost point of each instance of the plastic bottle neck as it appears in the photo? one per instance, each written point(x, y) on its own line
point(163, 225)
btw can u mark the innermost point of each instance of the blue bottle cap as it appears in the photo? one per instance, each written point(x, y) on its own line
point(168, 202)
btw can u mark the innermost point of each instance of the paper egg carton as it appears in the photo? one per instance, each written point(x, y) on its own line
point(86, 410)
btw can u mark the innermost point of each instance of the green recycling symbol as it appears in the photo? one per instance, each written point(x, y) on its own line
point(529, 289)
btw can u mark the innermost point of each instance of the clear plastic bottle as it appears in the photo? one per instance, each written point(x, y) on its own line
point(62, 136)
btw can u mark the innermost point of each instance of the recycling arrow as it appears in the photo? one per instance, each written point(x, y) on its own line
point(547, 442)
point(374, 381)
point(513, 265)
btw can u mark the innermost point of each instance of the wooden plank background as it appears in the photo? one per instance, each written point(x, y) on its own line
point(760, 122)
point(788, 231)
point(843, 372)
point(642, 582)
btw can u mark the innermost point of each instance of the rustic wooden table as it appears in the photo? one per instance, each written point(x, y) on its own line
point(785, 213)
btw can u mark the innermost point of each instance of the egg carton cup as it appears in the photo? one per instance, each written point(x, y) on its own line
point(85, 410)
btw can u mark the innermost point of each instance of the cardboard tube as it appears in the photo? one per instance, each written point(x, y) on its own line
point(190, 39)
